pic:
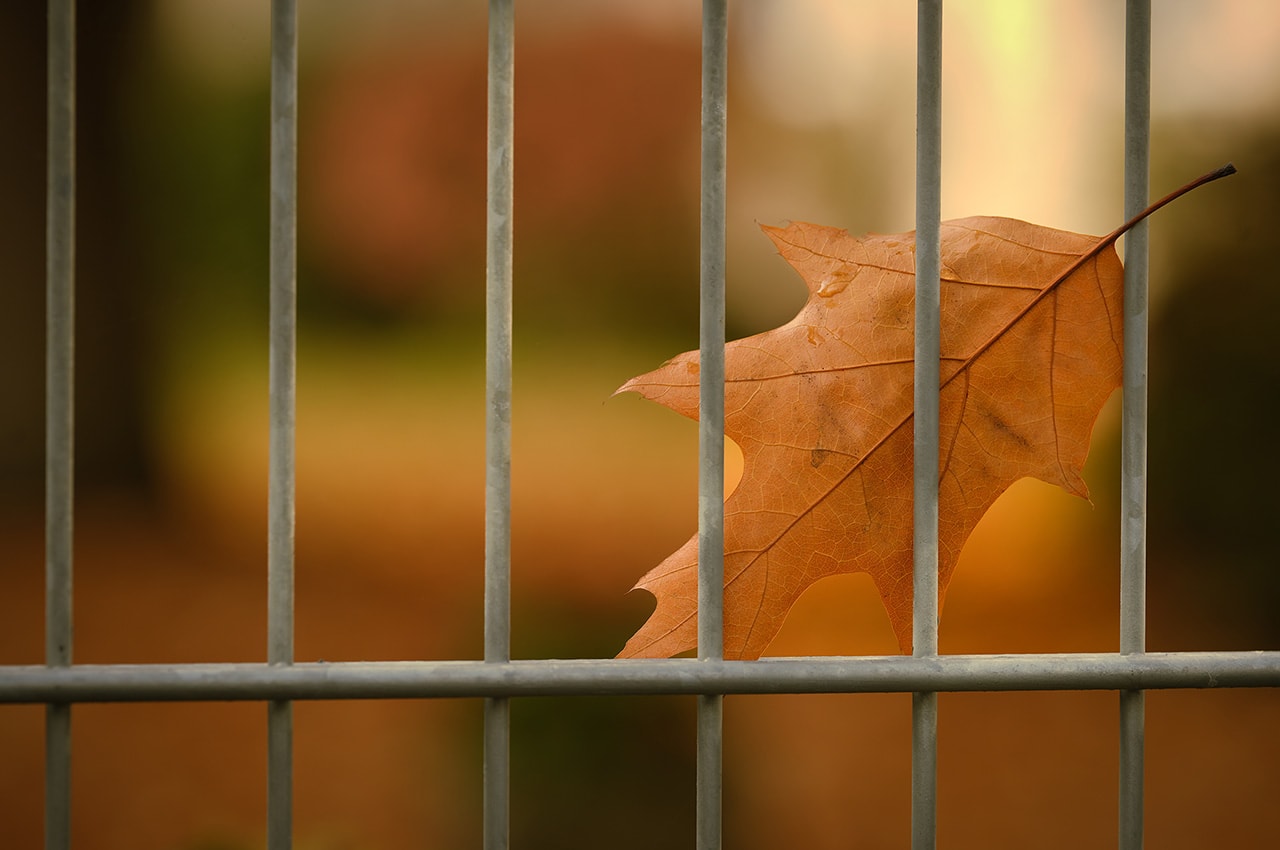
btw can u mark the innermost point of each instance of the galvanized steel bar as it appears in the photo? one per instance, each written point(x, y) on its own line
point(1133, 482)
point(60, 192)
point(710, 762)
point(715, 51)
point(279, 775)
point(711, 335)
point(710, 741)
point(60, 333)
point(924, 769)
point(497, 520)
point(57, 778)
point(283, 371)
point(1133, 533)
point(928, 258)
point(498, 333)
point(283, 330)
point(619, 677)
point(924, 740)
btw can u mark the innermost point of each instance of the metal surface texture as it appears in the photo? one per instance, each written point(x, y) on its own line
point(583, 677)
point(924, 705)
point(711, 334)
point(1133, 457)
point(283, 393)
point(500, 196)
point(59, 405)
point(710, 733)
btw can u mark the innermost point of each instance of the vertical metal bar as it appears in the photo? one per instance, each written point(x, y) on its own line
point(497, 536)
point(711, 335)
point(57, 780)
point(715, 53)
point(497, 737)
point(283, 360)
point(59, 406)
point(1133, 483)
point(710, 760)
point(924, 768)
point(279, 775)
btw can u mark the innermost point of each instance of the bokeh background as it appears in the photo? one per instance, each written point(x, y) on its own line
point(172, 399)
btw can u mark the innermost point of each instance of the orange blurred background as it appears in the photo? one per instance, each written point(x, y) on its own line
point(172, 401)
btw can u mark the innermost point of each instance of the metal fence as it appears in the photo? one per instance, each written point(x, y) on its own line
point(60, 683)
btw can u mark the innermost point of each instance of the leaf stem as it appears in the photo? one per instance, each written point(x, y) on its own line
point(1097, 248)
point(1225, 171)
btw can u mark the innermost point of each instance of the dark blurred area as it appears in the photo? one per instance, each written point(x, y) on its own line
point(1215, 390)
point(114, 274)
point(171, 440)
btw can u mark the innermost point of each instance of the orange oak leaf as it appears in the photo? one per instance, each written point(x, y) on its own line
point(822, 408)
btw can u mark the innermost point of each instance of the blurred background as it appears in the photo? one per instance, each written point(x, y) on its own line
point(172, 410)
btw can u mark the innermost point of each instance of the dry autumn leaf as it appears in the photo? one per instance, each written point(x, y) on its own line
point(822, 410)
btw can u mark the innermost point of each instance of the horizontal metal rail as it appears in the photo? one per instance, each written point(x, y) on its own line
point(581, 677)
